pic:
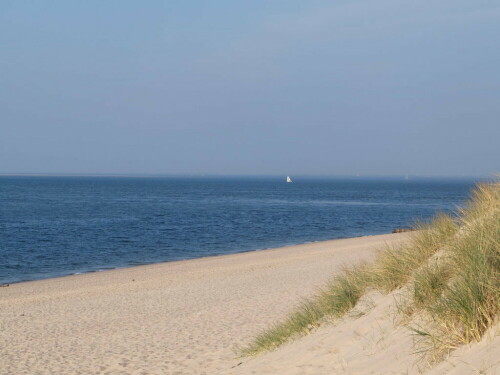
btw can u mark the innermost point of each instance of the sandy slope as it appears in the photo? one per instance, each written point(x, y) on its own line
point(190, 317)
point(370, 341)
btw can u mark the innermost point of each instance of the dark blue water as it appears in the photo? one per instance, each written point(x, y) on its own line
point(54, 226)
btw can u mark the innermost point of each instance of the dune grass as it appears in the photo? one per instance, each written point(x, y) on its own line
point(395, 266)
point(467, 299)
point(428, 284)
point(338, 297)
point(450, 265)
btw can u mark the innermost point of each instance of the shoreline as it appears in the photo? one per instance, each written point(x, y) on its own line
point(182, 260)
point(183, 317)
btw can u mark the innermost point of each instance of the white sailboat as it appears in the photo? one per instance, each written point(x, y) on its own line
point(288, 179)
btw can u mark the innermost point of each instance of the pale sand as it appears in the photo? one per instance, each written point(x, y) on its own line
point(190, 317)
point(370, 341)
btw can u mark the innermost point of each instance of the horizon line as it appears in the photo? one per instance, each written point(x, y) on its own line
point(194, 175)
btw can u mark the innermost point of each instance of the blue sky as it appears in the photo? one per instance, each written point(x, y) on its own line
point(388, 87)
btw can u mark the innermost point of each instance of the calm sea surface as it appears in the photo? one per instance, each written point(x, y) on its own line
point(54, 226)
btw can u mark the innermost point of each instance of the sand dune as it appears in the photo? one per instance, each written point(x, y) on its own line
point(190, 317)
point(369, 341)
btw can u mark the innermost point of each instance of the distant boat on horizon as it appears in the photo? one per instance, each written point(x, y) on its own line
point(288, 179)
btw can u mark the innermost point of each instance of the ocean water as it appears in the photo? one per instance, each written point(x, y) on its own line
point(55, 226)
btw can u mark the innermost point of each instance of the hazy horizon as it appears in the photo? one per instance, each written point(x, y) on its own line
point(282, 176)
point(375, 88)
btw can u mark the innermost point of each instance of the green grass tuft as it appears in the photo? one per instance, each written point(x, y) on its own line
point(429, 283)
point(470, 302)
point(394, 267)
point(337, 298)
point(344, 291)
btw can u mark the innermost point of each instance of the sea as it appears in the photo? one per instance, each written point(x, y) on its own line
point(57, 226)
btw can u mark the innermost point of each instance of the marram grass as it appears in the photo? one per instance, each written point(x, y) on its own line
point(469, 303)
point(450, 268)
point(337, 298)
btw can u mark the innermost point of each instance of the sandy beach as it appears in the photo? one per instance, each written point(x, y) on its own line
point(187, 317)
point(192, 317)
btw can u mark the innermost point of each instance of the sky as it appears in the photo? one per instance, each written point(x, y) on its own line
point(368, 87)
